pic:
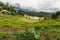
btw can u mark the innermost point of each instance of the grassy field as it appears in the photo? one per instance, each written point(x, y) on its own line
point(17, 21)
point(14, 21)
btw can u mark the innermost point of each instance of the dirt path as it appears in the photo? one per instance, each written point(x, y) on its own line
point(12, 30)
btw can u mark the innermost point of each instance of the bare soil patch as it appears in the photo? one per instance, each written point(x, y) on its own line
point(11, 30)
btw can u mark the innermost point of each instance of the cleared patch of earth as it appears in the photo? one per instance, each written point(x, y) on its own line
point(11, 30)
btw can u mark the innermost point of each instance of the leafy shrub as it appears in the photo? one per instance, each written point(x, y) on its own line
point(4, 36)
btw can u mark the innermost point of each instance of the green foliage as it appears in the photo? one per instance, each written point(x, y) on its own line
point(56, 15)
point(4, 36)
point(49, 33)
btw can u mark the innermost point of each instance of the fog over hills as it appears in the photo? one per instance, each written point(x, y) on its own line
point(36, 5)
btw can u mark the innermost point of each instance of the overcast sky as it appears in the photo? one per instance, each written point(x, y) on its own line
point(38, 5)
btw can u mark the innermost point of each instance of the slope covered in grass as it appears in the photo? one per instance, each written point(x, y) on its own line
point(20, 21)
point(14, 20)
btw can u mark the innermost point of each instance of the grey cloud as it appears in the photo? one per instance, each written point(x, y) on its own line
point(38, 5)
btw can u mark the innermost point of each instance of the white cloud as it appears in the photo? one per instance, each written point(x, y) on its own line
point(38, 5)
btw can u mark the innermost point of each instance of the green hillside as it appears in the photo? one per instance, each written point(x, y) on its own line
point(20, 21)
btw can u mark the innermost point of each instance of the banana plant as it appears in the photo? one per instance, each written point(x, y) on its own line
point(35, 32)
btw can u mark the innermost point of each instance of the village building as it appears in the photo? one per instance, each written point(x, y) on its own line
point(34, 18)
point(5, 12)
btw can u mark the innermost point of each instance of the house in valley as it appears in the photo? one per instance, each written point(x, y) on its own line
point(5, 11)
point(34, 18)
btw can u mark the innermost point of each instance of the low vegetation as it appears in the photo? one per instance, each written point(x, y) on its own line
point(35, 33)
